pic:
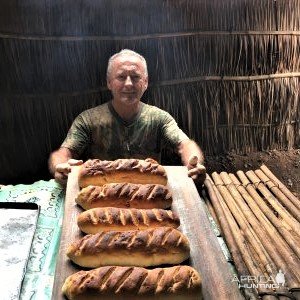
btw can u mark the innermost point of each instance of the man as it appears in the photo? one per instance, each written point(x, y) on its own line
point(125, 127)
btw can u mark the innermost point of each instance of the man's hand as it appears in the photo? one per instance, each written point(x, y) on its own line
point(192, 157)
point(195, 170)
point(62, 170)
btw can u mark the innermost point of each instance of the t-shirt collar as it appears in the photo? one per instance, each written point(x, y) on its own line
point(124, 122)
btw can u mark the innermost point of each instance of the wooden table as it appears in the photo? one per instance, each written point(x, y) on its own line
point(206, 255)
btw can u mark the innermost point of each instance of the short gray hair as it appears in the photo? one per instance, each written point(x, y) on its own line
point(125, 52)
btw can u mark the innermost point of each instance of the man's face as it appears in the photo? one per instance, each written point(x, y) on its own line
point(127, 80)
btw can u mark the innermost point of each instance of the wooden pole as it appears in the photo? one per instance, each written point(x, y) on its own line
point(285, 230)
point(272, 240)
point(244, 225)
point(243, 217)
point(274, 202)
point(256, 258)
point(265, 251)
point(281, 186)
point(234, 243)
point(255, 214)
point(235, 238)
point(242, 243)
point(272, 229)
point(281, 225)
point(287, 203)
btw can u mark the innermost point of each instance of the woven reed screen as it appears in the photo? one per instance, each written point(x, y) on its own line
point(228, 71)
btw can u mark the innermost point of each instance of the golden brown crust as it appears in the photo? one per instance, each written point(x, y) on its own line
point(112, 282)
point(99, 172)
point(122, 219)
point(125, 195)
point(162, 245)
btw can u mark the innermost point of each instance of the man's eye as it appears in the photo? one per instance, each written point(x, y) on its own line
point(121, 77)
point(135, 78)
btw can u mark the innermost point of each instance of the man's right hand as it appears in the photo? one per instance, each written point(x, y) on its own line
point(62, 170)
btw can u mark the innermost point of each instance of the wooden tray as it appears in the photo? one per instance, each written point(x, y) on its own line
point(206, 255)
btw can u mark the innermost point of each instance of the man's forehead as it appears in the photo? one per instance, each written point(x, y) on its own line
point(124, 67)
point(128, 61)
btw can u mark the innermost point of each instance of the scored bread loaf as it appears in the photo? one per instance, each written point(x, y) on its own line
point(99, 172)
point(124, 219)
point(134, 283)
point(125, 195)
point(151, 247)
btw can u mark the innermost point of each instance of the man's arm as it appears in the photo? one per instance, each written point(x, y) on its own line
point(60, 163)
point(192, 157)
point(59, 156)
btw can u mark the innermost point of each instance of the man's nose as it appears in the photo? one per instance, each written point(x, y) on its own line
point(128, 81)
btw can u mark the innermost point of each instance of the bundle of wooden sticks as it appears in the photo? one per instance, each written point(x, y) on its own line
point(259, 218)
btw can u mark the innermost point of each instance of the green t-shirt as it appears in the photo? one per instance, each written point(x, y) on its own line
point(99, 132)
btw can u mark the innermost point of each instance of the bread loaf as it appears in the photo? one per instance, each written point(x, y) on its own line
point(125, 195)
point(151, 247)
point(122, 219)
point(99, 172)
point(134, 283)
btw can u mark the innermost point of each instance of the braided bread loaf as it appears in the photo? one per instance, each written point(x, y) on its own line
point(99, 172)
point(111, 218)
point(151, 247)
point(125, 195)
point(134, 283)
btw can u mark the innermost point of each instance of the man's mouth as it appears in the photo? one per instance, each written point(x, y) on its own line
point(128, 93)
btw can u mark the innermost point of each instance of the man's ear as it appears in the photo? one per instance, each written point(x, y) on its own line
point(108, 83)
point(146, 83)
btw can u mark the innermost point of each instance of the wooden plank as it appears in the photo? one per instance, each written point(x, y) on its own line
point(70, 232)
point(206, 255)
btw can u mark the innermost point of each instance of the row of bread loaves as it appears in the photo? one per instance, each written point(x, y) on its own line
point(128, 228)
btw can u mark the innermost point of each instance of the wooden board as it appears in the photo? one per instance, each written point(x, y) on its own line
point(206, 255)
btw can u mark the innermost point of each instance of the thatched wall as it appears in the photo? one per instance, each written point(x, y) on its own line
point(228, 71)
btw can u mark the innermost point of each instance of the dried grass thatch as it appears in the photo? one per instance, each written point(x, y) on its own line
point(228, 71)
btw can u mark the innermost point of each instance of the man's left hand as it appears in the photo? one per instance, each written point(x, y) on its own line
point(196, 170)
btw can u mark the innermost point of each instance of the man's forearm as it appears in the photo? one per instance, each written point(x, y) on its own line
point(57, 157)
point(189, 148)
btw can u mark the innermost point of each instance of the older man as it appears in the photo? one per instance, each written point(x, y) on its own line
point(125, 127)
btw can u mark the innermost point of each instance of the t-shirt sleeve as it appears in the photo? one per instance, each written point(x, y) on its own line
point(78, 137)
point(171, 133)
